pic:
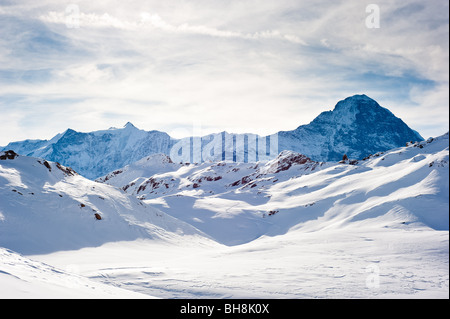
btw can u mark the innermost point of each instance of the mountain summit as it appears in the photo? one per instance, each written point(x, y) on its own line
point(358, 126)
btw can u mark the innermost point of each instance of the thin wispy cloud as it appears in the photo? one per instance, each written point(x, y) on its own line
point(147, 20)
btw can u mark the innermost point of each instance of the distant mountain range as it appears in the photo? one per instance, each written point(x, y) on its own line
point(357, 127)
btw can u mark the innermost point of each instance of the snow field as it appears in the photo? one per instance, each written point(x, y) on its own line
point(377, 229)
point(357, 263)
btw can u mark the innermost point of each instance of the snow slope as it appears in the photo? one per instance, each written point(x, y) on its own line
point(238, 202)
point(23, 278)
point(138, 171)
point(221, 199)
point(47, 207)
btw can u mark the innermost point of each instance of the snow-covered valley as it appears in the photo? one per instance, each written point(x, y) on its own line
point(348, 263)
point(287, 228)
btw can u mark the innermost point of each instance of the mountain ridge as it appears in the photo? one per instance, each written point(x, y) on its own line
point(358, 126)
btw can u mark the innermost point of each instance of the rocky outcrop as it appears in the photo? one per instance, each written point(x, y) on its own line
point(10, 155)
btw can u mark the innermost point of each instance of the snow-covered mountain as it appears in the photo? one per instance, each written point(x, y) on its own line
point(237, 202)
point(290, 227)
point(137, 171)
point(358, 126)
point(47, 207)
point(96, 153)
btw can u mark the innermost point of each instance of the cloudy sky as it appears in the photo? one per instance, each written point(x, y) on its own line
point(255, 66)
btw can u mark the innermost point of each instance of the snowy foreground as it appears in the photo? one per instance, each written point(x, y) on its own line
point(355, 263)
point(289, 228)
